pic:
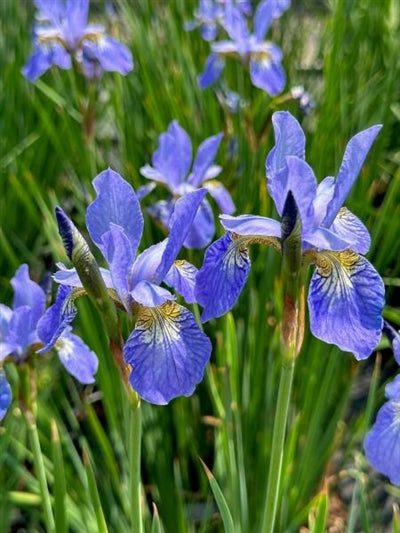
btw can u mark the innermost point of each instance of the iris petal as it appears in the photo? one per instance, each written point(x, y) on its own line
point(182, 151)
point(116, 203)
point(182, 277)
point(204, 158)
point(392, 389)
point(268, 75)
point(112, 55)
point(27, 292)
point(76, 357)
point(212, 71)
point(150, 295)
point(351, 229)
point(202, 229)
point(222, 277)
point(220, 195)
point(346, 299)
point(382, 443)
point(5, 395)
point(168, 352)
point(251, 225)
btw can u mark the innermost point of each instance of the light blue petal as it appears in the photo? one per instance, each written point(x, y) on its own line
point(351, 229)
point(76, 357)
point(324, 195)
point(182, 151)
point(5, 395)
point(289, 140)
point(119, 254)
point(37, 64)
point(222, 277)
point(165, 162)
point(302, 182)
point(394, 337)
point(29, 293)
point(146, 264)
point(356, 151)
point(112, 55)
point(382, 443)
point(69, 276)
point(161, 211)
point(204, 159)
point(346, 299)
point(392, 389)
point(220, 195)
point(168, 352)
point(212, 71)
point(325, 239)
point(152, 173)
point(182, 277)
point(142, 192)
point(19, 335)
point(150, 295)
point(52, 10)
point(268, 75)
point(262, 18)
point(56, 319)
point(202, 230)
point(180, 223)
point(5, 317)
point(251, 225)
point(116, 203)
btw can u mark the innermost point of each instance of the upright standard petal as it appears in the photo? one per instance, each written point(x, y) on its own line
point(346, 299)
point(382, 443)
point(56, 319)
point(29, 293)
point(289, 141)
point(204, 159)
point(116, 203)
point(202, 230)
point(76, 357)
point(220, 195)
point(222, 277)
point(5, 395)
point(356, 151)
point(168, 352)
point(182, 151)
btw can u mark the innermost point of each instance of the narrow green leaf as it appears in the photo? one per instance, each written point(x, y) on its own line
point(94, 494)
point(60, 516)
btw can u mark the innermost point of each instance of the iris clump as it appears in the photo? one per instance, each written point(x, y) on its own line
point(171, 164)
point(62, 36)
point(166, 349)
point(20, 336)
point(263, 57)
point(346, 293)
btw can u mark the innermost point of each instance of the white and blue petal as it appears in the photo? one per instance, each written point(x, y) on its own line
point(182, 277)
point(76, 357)
point(5, 317)
point(204, 159)
point(345, 300)
point(222, 277)
point(350, 228)
point(5, 395)
point(168, 352)
point(251, 225)
point(146, 263)
point(356, 151)
point(112, 55)
point(382, 443)
point(69, 276)
point(268, 74)
point(150, 295)
point(221, 196)
point(324, 239)
point(116, 203)
point(56, 319)
point(28, 293)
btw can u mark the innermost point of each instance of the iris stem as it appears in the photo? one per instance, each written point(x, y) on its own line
point(135, 460)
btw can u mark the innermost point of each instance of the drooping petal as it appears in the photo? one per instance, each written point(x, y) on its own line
point(204, 159)
point(346, 299)
point(182, 277)
point(168, 352)
point(382, 443)
point(116, 203)
point(76, 357)
point(119, 254)
point(181, 220)
point(268, 74)
point(220, 195)
point(18, 334)
point(222, 277)
point(43, 58)
point(251, 225)
point(212, 71)
point(202, 229)
point(5, 395)
point(56, 319)
point(112, 55)
point(392, 389)
point(351, 229)
point(69, 276)
point(29, 293)
point(289, 140)
point(150, 295)
point(356, 151)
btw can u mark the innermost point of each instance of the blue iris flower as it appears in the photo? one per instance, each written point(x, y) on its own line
point(167, 349)
point(62, 35)
point(346, 294)
point(20, 335)
point(170, 168)
point(382, 443)
point(263, 57)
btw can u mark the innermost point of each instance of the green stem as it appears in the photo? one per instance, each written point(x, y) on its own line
point(41, 474)
point(135, 455)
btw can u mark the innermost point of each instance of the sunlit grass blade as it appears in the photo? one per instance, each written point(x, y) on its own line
point(93, 492)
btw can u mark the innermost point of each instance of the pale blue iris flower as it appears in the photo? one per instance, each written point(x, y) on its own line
point(263, 57)
point(172, 168)
point(382, 443)
point(62, 35)
point(346, 293)
point(20, 336)
point(167, 349)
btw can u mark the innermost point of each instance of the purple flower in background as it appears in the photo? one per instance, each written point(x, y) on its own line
point(171, 164)
point(62, 35)
point(167, 349)
point(382, 443)
point(346, 293)
point(20, 335)
point(263, 57)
